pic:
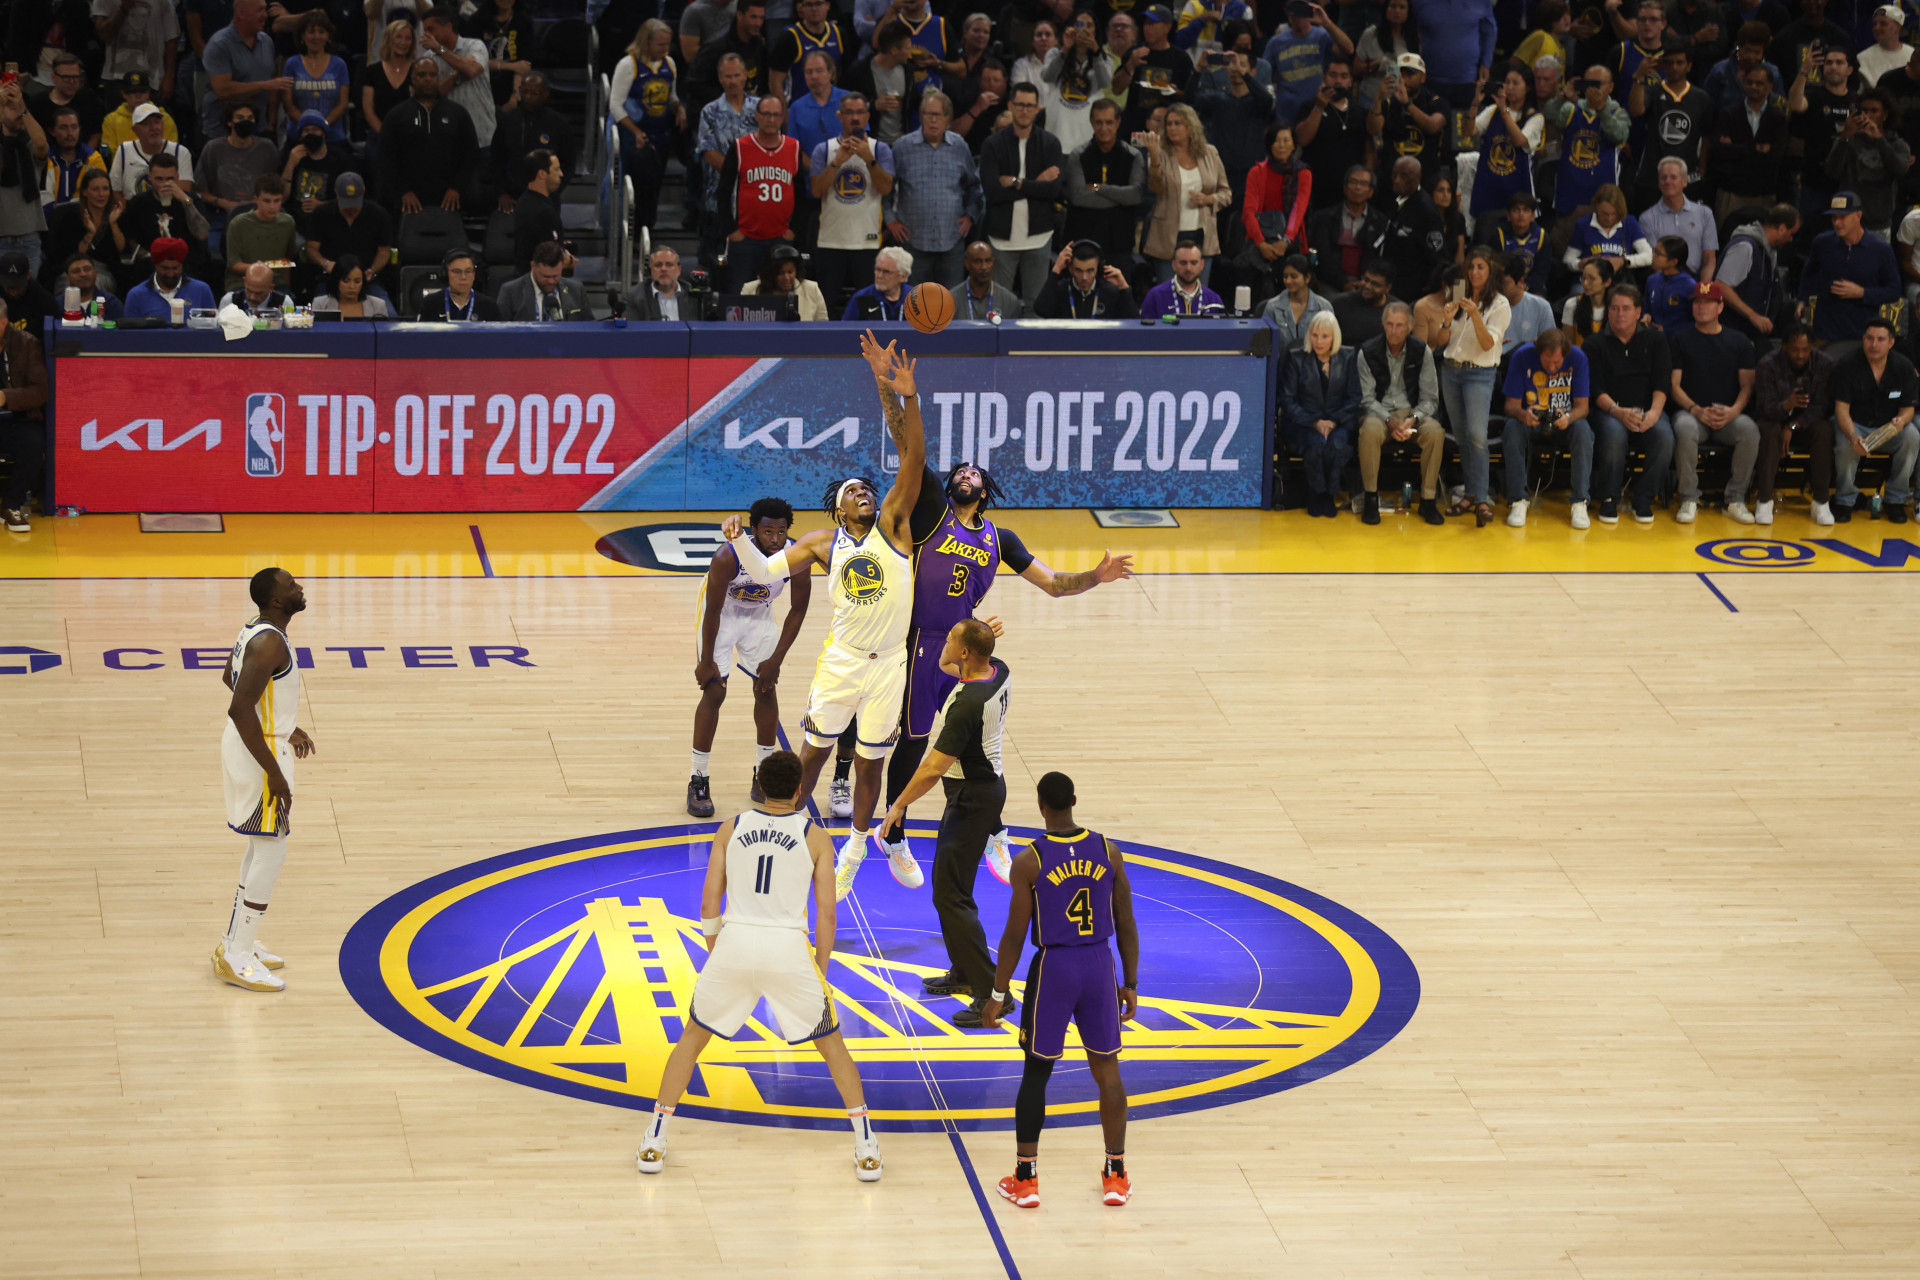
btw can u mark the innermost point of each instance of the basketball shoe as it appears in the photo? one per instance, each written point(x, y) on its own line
point(754, 791)
point(1115, 1189)
point(699, 798)
point(840, 798)
point(900, 861)
point(852, 854)
point(1024, 1192)
point(267, 957)
point(1000, 856)
point(653, 1155)
point(252, 975)
point(866, 1160)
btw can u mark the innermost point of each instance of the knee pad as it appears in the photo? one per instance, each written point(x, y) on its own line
point(266, 855)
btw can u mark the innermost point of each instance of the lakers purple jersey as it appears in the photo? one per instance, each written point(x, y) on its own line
point(1073, 896)
point(953, 570)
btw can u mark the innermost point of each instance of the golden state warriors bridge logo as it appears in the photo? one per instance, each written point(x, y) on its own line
point(861, 577)
point(570, 967)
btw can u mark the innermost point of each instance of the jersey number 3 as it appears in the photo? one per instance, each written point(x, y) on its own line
point(959, 587)
point(1080, 911)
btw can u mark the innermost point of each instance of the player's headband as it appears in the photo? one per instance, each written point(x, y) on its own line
point(845, 485)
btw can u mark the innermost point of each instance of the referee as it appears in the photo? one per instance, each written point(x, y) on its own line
point(964, 753)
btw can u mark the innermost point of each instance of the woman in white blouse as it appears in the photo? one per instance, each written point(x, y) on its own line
point(1477, 319)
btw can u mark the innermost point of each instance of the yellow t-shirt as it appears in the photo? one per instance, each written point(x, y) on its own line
point(118, 128)
point(1537, 46)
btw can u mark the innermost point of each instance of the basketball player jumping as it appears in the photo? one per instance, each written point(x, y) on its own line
point(736, 628)
point(758, 950)
point(863, 666)
point(1072, 886)
point(257, 751)
point(957, 552)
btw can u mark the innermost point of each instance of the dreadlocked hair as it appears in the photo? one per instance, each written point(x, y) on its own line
point(990, 493)
point(832, 500)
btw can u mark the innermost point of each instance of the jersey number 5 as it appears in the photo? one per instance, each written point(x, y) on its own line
point(1080, 911)
point(959, 587)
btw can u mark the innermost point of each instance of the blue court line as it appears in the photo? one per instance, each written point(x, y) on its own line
point(481, 547)
point(953, 1134)
point(1718, 594)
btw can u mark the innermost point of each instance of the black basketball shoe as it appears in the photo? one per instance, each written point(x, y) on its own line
point(699, 803)
point(949, 983)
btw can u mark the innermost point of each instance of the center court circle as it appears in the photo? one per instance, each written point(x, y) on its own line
point(569, 967)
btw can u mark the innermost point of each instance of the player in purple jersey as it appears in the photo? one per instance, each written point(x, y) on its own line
point(1071, 887)
point(957, 552)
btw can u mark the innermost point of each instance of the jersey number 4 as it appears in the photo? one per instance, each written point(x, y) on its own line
point(959, 587)
point(763, 875)
point(1080, 911)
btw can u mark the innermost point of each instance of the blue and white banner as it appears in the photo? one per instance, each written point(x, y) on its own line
point(1055, 431)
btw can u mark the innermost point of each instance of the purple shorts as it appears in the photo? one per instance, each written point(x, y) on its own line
point(927, 685)
point(1071, 984)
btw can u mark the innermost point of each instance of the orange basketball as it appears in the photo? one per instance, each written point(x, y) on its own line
point(929, 308)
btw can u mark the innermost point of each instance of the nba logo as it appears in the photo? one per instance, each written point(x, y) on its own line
point(266, 434)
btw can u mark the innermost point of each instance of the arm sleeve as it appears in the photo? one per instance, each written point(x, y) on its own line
point(1013, 552)
point(758, 567)
point(929, 508)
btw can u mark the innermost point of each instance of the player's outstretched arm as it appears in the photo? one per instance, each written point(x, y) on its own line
point(713, 894)
point(1013, 939)
point(820, 845)
point(1111, 568)
point(1126, 933)
point(893, 373)
point(265, 654)
point(811, 549)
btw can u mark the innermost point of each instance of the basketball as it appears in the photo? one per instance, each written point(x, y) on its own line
point(929, 308)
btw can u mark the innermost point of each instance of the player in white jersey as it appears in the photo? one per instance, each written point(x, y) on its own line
point(766, 863)
point(862, 673)
point(257, 751)
point(736, 629)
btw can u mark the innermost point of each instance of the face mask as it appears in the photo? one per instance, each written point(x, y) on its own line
point(313, 141)
point(244, 128)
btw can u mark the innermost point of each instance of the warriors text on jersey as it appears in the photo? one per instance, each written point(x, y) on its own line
point(748, 633)
point(872, 588)
point(250, 809)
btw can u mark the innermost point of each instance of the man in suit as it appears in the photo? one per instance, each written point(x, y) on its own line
point(1347, 235)
point(662, 298)
point(544, 293)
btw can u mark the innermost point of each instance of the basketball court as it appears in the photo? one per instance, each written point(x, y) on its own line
point(1512, 902)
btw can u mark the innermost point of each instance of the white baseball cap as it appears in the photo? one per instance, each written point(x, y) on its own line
point(1891, 12)
point(1412, 62)
point(146, 111)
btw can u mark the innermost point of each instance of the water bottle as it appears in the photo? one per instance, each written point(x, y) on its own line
point(1406, 495)
point(1875, 506)
point(72, 313)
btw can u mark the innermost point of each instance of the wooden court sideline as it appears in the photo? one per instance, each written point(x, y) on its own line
point(1647, 837)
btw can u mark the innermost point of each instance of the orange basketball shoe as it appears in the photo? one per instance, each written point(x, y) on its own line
point(1115, 1189)
point(1024, 1192)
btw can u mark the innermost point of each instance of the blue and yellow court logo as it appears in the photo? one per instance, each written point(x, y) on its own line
point(570, 967)
point(861, 577)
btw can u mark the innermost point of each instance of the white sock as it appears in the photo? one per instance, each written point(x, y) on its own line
point(661, 1114)
point(862, 1127)
point(765, 749)
point(260, 868)
point(700, 762)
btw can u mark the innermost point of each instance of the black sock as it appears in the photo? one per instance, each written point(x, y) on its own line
point(842, 766)
point(1116, 1165)
point(1026, 1168)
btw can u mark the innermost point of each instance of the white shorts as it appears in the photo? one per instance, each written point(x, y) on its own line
point(745, 639)
point(851, 688)
point(751, 963)
point(250, 811)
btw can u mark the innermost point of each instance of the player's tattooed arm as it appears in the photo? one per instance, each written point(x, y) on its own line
point(1110, 569)
point(893, 373)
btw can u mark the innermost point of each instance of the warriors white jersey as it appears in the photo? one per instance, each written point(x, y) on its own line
point(769, 870)
point(872, 587)
point(744, 595)
point(280, 700)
